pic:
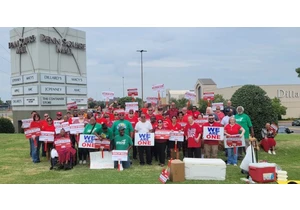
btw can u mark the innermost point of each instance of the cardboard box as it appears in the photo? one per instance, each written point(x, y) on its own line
point(177, 171)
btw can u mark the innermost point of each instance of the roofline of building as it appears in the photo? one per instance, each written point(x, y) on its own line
point(260, 85)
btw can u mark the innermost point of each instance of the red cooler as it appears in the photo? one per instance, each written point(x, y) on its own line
point(262, 172)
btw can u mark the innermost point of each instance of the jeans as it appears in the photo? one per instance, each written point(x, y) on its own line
point(125, 164)
point(35, 150)
point(232, 158)
point(30, 146)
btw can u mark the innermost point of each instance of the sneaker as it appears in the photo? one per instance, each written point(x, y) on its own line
point(269, 152)
point(274, 153)
point(80, 161)
point(84, 162)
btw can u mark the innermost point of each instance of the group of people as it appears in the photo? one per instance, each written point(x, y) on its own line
point(118, 127)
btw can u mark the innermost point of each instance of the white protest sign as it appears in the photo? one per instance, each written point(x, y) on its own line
point(144, 139)
point(152, 100)
point(57, 122)
point(158, 87)
point(176, 136)
point(131, 105)
point(121, 155)
point(26, 123)
point(97, 161)
point(213, 133)
point(72, 105)
point(66, 126)
point(87, 141)
point(108, 95)
point(201, 121)
point(190, 96)
point(214, 106)
point(76, 128)
point(46, 136)
point(234, 141)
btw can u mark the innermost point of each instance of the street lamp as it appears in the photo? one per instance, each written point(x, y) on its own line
point(142, 86)
point(123, 87)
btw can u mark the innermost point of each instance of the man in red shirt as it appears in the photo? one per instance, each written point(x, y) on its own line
point(100, 117)
point(220, 114)
point(145, 108)
point(211, 147)
point(184, 121)
point(173, 111)
point(195, 112)
point(150, 113)
point(192, 134)
point(43, 124)
point(133, 120)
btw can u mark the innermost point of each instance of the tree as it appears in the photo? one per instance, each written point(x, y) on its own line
point(123, 100)
point(298, 71)
point(257, 105)
point(278, 108)
point(203, 103)
point(1, 102)
point(180, 103)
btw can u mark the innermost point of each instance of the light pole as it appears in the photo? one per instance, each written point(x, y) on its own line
point(123, 87)
point(142, 86)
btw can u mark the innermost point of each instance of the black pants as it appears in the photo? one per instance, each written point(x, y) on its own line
point(161, 151)
point(194, 152)
point(134, 152)
point(148, 154)
point(168, 151)
point(73, 139)
point(184, 148)
point(82, 153)
point(43, 149)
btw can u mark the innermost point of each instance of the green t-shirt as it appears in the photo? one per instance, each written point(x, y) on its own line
point(125, 123)
point(244, 121)
point(88, 128)
point(107, 135)
point(123, 142)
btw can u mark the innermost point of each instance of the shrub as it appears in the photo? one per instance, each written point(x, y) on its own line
point(257, 105)
point(6, 126)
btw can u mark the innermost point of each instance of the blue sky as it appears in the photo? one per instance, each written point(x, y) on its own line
point(177, 57)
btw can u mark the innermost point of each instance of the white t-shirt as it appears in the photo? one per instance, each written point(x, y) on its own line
point(225, 120)
point(143, 127)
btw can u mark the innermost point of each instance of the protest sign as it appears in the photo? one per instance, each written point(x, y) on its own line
point(162, 134)
point(201, 121)
point(176, 136)
point(57, 122)
point(213, 133)
point(121, 155)
point(26, 123)
point(72, 105)
point(92, 142)
point(214, 105)
point(234, 141)
point(76, 128)
point(132, 92)
point(158, 87)
point(131, 105)
point(32, 132)
point(62, 143)
point(152, 100)
point(108, 95)
point(190, 96)
point(209, 96)
point(101, 160)
point(183, 124)
point(144, 139)
point(64, 125)
point(47, 136)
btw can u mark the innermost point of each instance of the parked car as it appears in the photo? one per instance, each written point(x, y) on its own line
point(283, 129)
point(296, 123)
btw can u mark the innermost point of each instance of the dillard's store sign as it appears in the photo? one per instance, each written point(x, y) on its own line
point(287, 94)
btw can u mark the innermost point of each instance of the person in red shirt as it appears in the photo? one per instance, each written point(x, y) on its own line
point(174, 126)
point(233, 129)
point(133, 120)
point(150, 113)
point(48, 127)
point(145, 108)
point(44, 123)
point(59, 116)
point(166, 120)
point(184, 120)
point(160, 144)
point(35, 144)
point(193, 133)
point(108, 122)
point(211, 147)
point(220, 114)
point(173, 111)
point(100, 118)
point(195, 112)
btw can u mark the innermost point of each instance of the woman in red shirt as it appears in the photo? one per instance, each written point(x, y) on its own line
point(50, 128)
point(192, 134)
point(174, 126)
point(160, 144)
point(230, 130)
point(35, 144)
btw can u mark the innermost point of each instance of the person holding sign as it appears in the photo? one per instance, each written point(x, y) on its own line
point(268, 142)
point(123, 142)
point(174, 145)
point(230, 130)
point(161, 143)
point(48, 127)
point(36, 123)
point(30, 139)
point(192, 132)
point(124, 123)
point(133, 120)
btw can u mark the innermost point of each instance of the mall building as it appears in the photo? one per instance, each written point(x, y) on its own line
point(289, 94)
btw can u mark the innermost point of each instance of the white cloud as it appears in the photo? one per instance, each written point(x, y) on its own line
point(164, 64)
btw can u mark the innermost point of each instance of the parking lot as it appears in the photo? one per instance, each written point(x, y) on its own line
point(288, 124)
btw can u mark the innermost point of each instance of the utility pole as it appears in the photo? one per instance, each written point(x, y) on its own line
point(142, 78)
point(123, 88)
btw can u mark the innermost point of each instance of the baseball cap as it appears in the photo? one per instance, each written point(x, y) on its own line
point(58, 113)
point(121, 128)
point(227, 110)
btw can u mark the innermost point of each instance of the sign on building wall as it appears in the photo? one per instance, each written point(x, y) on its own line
point(52, 78)
point(16, 80)
point(77, 90)
point(31, 101)
point(47, 89)
point(31, 90)
point(78, 100)
point(15, 91)
point(17, 101)
point(30, 78)
point(53, 100)
point(76, 80)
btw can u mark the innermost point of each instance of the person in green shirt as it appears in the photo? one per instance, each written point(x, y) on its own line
point(124, 123)
point(244, 120)
point(106, 134)
point(123, 142)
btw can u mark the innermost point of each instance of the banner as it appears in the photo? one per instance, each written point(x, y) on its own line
point(108, 95)
point(176, 136)
point(190, 96)
point(26, 123)
point(213, 133)
point(64, 125)
point(131, 105)
point(144, 139)
point(214, 106)
point(30, 132)
point(92, 142)
point(62, 143)
point(57, 122)
point(72, 105)
point(162, 134)
point(209, 96)
point(158, 87)
point(152, 100)
point(97, 161)
point(201, 121)
point(76, 128)
point(234, 141)
point(46, 136)
point(121, 155)
point(132, 92)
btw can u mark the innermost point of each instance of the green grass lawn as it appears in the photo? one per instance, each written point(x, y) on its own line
point(16, 166)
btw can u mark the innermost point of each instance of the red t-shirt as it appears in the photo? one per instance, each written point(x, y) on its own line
point(185, 118)
point(173, 112)
point(101, 120)
point(48, 128)
point(220, 115)
point(132, 120)
point(160, 140)
point(176, 127)
point(182, 123)
point(36, 124)
point(43, 123)
point(166, 122)
point(211, 142)
point(192, 132)
point(195, 114)
point(232, 130)
point(144, 110)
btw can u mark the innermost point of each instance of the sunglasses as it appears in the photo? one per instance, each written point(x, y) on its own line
point(130, 112)
point(150, 110)
point(46, 115)
point(211, 118)
point(49, 120)
point(143, 116)
point(160, 122)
